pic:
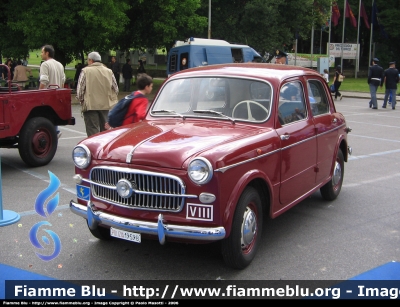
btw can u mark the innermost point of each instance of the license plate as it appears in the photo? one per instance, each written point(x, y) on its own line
point(125, 235)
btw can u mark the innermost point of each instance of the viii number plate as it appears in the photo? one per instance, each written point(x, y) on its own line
point(126, 235)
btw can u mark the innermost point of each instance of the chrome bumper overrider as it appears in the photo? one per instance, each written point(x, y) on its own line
point(153, 228)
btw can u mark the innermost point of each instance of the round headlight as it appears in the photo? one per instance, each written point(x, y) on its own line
point(124, 188)
point(200, 171)
point(81, 156)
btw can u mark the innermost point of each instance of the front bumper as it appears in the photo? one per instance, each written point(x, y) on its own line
point(158, 228)
point(349, 150)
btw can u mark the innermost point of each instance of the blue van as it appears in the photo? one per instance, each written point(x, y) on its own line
point(196, 52)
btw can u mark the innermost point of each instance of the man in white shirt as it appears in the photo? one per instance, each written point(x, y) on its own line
point(51, 72)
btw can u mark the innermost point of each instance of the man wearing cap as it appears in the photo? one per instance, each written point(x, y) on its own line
point(375, 78)
point(391, 78)
point(281, 57)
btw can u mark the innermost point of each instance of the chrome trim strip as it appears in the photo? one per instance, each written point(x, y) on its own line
point(130, 154)
point(301, 142)
point(225, 168)
point(157, 228)
point(337, 128)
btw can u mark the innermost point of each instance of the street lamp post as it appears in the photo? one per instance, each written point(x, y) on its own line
point(209, 19)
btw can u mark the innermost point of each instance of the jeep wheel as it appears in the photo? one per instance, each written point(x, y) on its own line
point(239, 249)
point(37, 141)
point(332, 189)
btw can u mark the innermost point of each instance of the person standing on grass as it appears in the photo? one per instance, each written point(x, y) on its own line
point(20, 74)
point(78, 69)
point(127, 72)
point(115, 68)
point(5, 71)
point(281, 57)
point(391, 78)
point(140, 70)
point(51, 72)
point(375, 77)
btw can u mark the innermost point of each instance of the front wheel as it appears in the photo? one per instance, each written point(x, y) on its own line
point(239, 249)
point(38, 142)
point(332, 188)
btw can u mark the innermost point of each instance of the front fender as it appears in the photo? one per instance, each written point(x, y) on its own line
point(237, 191)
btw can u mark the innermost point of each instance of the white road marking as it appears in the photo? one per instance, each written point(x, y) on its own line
point(37, 175)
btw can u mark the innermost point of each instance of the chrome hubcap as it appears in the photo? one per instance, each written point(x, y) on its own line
point(337, 173)
point(249, 227)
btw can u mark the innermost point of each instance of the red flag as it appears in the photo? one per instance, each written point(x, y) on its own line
point(364, 15)
point(350, 14)
point(335, 14)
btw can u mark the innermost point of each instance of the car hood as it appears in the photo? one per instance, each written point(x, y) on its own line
point(165, 144)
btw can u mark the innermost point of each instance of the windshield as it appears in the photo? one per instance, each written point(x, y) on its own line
point(215, 97)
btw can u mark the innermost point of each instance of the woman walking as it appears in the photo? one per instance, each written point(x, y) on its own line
point(337, 81)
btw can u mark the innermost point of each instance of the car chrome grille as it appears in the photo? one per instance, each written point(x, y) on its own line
point(152, 191)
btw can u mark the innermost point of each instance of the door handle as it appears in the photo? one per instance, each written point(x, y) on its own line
point(285, 137)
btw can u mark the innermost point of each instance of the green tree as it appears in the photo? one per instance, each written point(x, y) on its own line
point(158, 23)
point(71, 26)
point(387, 33)
point(264, 24)
point(77, 27)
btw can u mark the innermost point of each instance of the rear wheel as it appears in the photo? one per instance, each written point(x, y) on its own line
point(239, 249)
point(332, 188)
point(38, 142)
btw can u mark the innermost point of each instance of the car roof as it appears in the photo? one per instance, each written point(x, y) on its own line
point(257, 70)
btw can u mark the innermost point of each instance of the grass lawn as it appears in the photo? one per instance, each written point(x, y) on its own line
point(357, 85)
point(35, 59)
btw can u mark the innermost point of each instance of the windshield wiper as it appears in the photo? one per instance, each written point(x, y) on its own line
point(214, 112)
point(168, 111)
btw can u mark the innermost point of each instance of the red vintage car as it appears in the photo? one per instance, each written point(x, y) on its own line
point(220, 147)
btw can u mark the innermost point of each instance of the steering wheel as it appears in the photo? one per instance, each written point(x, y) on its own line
point(248, 103)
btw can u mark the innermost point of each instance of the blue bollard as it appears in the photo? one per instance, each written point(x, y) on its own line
point(7, 217)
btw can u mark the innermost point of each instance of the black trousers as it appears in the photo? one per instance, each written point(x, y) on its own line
point(337, 85)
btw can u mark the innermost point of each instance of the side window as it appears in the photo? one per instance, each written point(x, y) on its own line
point(173, 63)
point(237, 55)
point(184, 61)
point(291, 103)
point(318, 99)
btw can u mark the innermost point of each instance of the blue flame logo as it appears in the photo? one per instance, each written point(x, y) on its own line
point(52, 204)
